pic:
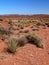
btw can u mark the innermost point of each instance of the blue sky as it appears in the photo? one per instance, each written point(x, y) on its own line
point(24, 6)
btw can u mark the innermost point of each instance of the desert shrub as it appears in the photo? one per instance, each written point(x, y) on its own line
point(1, 27)
point(47, 23)
point(4, 30)
point(20, 26)
point(10, 22)
point(33, 38)
point(14, 27)
point(6, 20)
point(15, 42)
point(0, 36)
point(1, 19)
point(40, 23)
point(24, 23)
point(4, 37)
point(7, 31)
point(22, 40)
point(12, 44)
point(34, 21)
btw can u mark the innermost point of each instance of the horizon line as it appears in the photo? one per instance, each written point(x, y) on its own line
point(23, 14)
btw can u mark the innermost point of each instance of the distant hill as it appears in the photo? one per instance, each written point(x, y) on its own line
point(36, 16)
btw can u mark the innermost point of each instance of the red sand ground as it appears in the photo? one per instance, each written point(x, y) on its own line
point(28, 54)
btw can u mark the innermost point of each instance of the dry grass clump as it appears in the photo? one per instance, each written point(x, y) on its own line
point(4, 37)
point(47, 23)
point(15, 41)
point(33, 38)
point(1, 27)
point(25, 23)
point(10, 22)
point(14, 27)
point(6, 19)
point(4, 30)
point(22, 40)
point(40, 23)
point(12, 44)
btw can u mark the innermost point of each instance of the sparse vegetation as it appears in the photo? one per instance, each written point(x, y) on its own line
point(47, 23)
point(15, 42)
point(4, 32)
point(18, 41)
point(22, 26)
point(33, 38)
point(14, 27)
point(22, 40)
point(12, 44)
